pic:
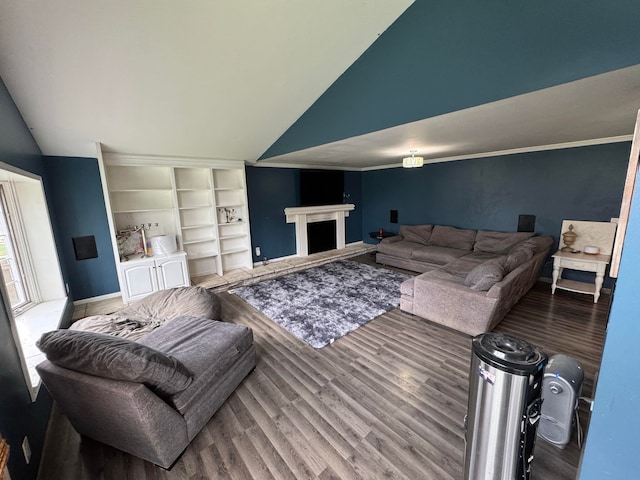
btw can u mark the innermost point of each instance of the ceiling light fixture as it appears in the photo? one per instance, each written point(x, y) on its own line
point(412, 161)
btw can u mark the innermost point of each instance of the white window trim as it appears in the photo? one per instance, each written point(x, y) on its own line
point(19, 238)
point(49, 313)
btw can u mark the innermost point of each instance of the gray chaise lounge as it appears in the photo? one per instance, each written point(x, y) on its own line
point(148, 397)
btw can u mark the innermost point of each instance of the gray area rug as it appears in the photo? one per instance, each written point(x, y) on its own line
point(321, 304)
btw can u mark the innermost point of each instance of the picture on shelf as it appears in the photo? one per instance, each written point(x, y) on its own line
point(130, 242)
point(229, 215)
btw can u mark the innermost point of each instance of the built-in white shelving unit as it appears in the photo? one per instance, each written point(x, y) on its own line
point(194, 190)
point(202, 202)
point(232, 214)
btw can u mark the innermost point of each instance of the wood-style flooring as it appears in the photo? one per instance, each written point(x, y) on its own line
point(385, 401)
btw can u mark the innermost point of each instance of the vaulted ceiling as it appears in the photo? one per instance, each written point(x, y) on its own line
point(329, 84)
point(202, 78)
point(594, 110)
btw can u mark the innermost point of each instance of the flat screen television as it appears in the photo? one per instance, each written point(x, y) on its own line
point(321, 187)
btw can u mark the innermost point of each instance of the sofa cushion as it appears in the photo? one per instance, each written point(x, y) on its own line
point(416, 233)
point(516, 258)
point(481, 257)
point(498, 242)
point(208, 348)
point(174, 302)
point(116, 358)
point(461, 267)
point(439, 276)
point(528, 244)
point(402, 249)
point(485, 275)
point(436, 255)
point(443, 236)
point(536, 244)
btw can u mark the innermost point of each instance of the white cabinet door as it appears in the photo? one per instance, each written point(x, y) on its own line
point(139, 280)
point(143, 276)
point(173, 272)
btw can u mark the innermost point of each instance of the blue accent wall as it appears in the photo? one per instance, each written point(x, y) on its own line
point(441, 56)
point(19, 417)
point(74, 192)
point(270, 191)
point(578, 183)
point(613, 443)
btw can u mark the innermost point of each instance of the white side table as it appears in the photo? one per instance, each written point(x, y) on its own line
point(583, 262)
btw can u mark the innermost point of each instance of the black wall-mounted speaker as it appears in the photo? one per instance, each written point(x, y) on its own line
point(526, 223)
point(85, 247)
point(393, 216)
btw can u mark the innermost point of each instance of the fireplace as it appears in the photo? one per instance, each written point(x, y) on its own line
point(303, 217)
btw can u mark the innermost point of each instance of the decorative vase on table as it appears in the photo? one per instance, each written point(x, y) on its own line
point(569, 238)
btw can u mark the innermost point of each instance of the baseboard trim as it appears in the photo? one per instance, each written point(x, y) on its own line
point(277, 259)
point(289, 257)
point(98, 298)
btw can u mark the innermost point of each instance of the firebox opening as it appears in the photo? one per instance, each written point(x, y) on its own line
point(321, 236)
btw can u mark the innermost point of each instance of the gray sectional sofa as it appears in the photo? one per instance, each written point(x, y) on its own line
point(469, 279)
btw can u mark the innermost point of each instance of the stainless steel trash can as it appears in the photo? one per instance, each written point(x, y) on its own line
point(505, 383)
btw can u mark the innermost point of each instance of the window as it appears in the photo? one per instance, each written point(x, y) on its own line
point(10, 259)
point(33, 291)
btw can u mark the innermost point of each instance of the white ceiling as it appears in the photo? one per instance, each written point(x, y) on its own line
point(200, 78)
point(224, 79)
point(598, 109)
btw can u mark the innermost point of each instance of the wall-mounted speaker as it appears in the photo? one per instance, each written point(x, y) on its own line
point(85, 247)
point(393, 216)
point(526, 223)
point(561, 387)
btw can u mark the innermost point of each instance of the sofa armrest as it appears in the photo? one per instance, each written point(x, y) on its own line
point(394, 239)
point(125, 415)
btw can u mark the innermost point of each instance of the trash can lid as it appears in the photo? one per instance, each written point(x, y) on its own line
point(508, 353)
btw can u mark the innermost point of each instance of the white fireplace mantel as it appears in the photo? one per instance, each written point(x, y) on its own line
point(302, 216)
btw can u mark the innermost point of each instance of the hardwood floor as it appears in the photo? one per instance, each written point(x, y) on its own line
point(385, 401)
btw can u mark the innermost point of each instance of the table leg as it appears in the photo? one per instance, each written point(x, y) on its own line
point(557, 271)
point(599, 280)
